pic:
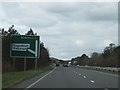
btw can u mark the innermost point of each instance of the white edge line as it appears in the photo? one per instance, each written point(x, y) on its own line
point(39, 79)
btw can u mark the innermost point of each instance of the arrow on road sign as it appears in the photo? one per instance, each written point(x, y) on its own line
point(36, 47)
point(31, 51)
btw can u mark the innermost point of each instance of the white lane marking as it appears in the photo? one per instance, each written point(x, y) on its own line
point(39, 79)
point(84, 76)
point(106, 89)
point(92, 81)
point(79, 74)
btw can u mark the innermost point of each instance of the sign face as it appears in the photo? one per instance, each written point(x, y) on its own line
point(25, 46)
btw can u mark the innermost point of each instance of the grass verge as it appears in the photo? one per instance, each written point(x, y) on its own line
point(12, 78)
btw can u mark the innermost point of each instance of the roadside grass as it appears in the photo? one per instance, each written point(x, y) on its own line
point(12, 78)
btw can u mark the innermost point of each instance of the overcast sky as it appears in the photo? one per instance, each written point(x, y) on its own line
point(68, 29)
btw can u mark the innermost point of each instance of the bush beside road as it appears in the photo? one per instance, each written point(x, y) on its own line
point(12, 78)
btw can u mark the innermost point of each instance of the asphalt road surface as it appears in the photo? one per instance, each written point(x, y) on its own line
point(71, 77)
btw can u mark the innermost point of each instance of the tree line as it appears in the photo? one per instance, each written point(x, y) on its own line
point(108, 58)
point(7, 61)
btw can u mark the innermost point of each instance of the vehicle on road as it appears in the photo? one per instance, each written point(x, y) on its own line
point(78, 65)
point(65, 65)
point(57, 65)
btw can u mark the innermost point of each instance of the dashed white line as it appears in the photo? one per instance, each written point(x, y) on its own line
point(92, 81)
point(106, 89)
point(84, 76)
point(79, 74)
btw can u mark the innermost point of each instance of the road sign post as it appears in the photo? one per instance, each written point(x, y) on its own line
point(14, 64)
point(36, 63)
point(25, 46)
point(24, 64)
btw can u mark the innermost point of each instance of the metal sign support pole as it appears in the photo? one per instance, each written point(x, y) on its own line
point(24, 64)
point(35, 62)
point(14, 64)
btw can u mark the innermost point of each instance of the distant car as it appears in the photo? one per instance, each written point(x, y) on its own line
point(78, 65)
point(57, 64)
point(65, 65)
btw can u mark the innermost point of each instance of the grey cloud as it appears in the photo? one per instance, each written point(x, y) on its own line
point(67, 29)
point(88, 11)
point(27, 16)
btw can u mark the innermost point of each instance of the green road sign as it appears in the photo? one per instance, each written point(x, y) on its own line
point(25, 46)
